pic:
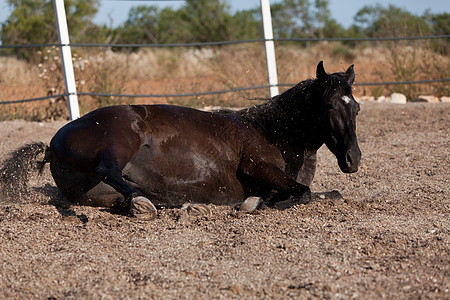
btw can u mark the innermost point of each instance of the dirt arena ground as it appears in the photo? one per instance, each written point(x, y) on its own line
point(387, 238)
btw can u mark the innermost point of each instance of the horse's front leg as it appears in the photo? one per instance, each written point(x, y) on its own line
point(293, 161)
point(110, 172)
point(274, 177)
point(300, 164)
point(308, 168)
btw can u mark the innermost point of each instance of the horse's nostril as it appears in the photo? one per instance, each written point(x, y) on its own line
point(348, 159)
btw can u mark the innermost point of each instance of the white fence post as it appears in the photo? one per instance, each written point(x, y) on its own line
point(270, 48)
point(66, 56)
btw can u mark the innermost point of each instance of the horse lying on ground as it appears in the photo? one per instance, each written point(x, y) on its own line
point(170, 155)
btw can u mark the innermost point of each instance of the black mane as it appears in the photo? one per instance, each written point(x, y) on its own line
point(294, 110)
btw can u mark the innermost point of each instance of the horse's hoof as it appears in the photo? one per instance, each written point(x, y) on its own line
point(197, 209)
point(306, 197)
point(250, 204)
point(142, 208)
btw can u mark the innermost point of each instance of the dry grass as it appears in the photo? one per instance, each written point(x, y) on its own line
point(190, 70)
point(17, 72)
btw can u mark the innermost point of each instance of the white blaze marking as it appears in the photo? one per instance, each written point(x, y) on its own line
point(346, 99)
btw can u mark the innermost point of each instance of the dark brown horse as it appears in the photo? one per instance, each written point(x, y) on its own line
point(171, 155)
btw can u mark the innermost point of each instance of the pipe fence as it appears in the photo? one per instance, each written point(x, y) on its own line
point(206, 44)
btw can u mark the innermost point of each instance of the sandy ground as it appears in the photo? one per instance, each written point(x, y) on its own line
point(387, 238)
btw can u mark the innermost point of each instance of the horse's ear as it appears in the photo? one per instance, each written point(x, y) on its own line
point(350, 74)
point(320, 72)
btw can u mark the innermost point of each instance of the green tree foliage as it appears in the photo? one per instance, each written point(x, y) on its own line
point(151, 25)
point(304, 19)
point(143, 25)
point(206, 20)
point(377, 21)
point(196, 21)
point(246, 24)
point(33, 22)
point(211, 20)
point(440, 25)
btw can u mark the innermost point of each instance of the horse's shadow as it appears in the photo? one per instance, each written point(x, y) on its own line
point(286, 204)
point(64, 206)
point(333, 195)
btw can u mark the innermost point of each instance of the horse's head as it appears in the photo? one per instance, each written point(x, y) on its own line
point(338, 116)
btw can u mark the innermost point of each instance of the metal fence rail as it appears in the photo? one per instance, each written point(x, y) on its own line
point(222, 43)
point(206, 44)
point(210, 92)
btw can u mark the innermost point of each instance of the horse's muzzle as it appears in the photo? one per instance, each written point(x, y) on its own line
point(350, 163)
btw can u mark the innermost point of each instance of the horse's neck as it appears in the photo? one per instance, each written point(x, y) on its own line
point(261, 116)
point(281, 119)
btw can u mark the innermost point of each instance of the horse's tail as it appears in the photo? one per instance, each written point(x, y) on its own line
point(19, 166)
point(47, 158)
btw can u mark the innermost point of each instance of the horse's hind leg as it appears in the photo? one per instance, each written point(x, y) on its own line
point(110, 173)
point(72, 184)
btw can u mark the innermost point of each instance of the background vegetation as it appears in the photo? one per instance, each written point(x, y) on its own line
point(32, 22)
point(193, 69)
